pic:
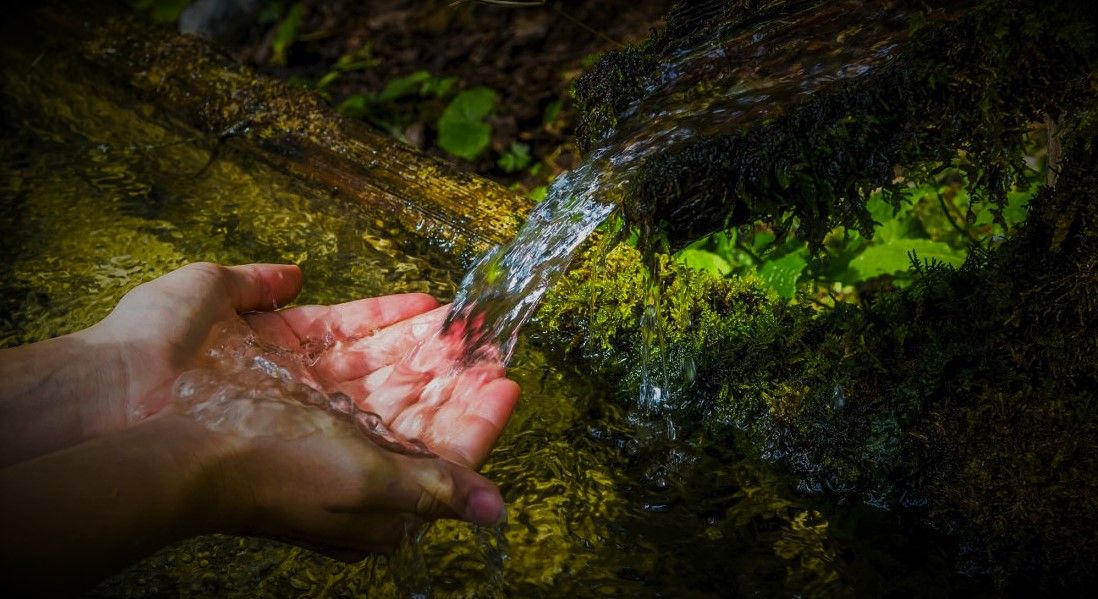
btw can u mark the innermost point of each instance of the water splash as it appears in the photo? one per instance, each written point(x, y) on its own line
point(735, 77)
point(246, 387)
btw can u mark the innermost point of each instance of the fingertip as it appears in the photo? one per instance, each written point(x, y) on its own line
point(485, 507)
point(264, 286)
point(504, 394)
point(422, 301)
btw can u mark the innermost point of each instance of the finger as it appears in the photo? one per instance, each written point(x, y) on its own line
point(351, 536)
point(471, 435)
point(261, 286)
point(436, 488)
point(359, 389)
point(352, 360)
point(356, 319)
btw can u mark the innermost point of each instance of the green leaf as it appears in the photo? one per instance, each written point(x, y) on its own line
point(782, 274)
point(403, 86)
point(437, 87)
point(1018, 205)
point(516, 158)
point(762, 241)
point(363, 58)
point(879, 208)
point(552, 111)
point(461, 128)
point(328, 78)
point(286, 34)
point(703, 260)
point(353, 106)
point(893, 258)
point(538, 193)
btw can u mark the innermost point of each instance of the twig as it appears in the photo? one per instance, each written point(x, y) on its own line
point(949, 217)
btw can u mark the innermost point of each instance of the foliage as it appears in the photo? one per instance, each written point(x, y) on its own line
point(286, 33)
point(515, 158)
point(931, 224)
point(461, 128)
point(358, 60)
point(937, 397)
point(972, 84)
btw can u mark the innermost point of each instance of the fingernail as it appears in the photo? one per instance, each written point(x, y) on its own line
point(485, 508)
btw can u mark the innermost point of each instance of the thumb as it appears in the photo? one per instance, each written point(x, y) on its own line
point(262, 286)
point(436, 488)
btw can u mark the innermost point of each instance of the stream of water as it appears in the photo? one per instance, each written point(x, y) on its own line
point(728, 81)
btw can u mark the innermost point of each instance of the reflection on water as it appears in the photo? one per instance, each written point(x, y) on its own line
point(97, 198)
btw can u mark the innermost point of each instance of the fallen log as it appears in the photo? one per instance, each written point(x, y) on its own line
point(186, 77)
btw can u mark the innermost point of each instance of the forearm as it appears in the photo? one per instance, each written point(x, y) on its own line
point(49, 394)
point(90, 510)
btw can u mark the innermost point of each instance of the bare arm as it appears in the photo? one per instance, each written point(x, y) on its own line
point(46, 395)
point(89, 510)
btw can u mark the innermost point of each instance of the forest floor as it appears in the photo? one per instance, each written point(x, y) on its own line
point(399, 64)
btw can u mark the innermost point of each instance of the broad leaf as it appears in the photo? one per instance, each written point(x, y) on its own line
point(461, 128)
point(782, 274)
point(703, 260)
point(892, 258)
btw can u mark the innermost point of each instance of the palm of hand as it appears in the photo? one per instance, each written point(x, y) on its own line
point(457, 415)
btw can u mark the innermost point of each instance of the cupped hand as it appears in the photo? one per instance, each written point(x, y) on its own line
point(160, 328)
point(388, 356)
point(327, 488)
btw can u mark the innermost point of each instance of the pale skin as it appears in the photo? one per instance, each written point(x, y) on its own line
point(98, 470)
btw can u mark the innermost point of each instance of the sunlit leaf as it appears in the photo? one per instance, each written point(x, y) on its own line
point(782, 274)
point(461, 128)
point(538, 193)
point(703, 260)
point(893, 258)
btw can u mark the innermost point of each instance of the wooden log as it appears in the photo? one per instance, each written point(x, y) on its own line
point(458, 213)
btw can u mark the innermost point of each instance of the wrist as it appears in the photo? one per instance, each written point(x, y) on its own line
point(54, 394)
point(207, 465)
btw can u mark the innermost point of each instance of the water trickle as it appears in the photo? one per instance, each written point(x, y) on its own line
point(734, 77)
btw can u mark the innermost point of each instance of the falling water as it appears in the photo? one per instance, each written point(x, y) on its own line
point(736, 77)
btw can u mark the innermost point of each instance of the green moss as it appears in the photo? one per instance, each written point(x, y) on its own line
point(969, 395)
point(971, 84)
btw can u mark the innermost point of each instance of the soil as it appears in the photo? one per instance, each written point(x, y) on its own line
point(529, 55)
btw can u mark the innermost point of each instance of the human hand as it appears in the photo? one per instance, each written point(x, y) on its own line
point(66, 390)
point(112, 500)
point(321, 485)
point(457, 412)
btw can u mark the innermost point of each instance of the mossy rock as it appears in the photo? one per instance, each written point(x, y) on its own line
point(969, 397)
point(967, 78)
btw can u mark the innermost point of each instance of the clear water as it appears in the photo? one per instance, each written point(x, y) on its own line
point(730, 80)
point(98, 196)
